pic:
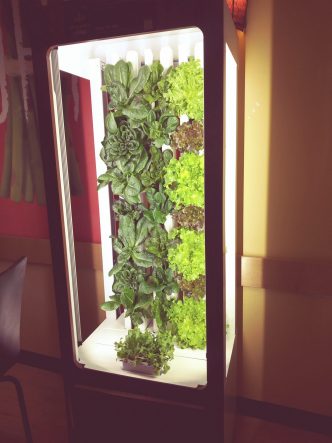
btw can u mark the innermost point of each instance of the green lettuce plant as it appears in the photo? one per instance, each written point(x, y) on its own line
point(160, 310)
point(159, 205)
point(125, 142)
point(154, 170)
point(138, 306)
point(130, 177)
point(188, 137)
point(146, 348)
point(163, 285)
point(126, 91)
point(134, 97)
point(188, 256)
point(159, 127)
point(152, 89)
point(185, 85)
point(124, 177)
point(160, 281)
point(157, 242)
point(184, 180)
point(122, 207)
point(129, 245)
point(188, 320)
point(130, 276)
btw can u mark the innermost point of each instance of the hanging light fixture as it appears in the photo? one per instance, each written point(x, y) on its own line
point(238, 9)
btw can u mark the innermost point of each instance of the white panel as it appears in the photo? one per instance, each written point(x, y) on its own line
point(183, 52)
point(148, 56)
point(166, 57)
point(132, 56)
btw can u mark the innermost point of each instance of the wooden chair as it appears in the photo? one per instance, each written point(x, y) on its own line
point(11, 289)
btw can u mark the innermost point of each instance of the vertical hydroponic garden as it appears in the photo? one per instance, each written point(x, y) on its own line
point(153, 150)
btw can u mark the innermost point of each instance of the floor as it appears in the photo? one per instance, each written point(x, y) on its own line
point(45, 401)
point(251, 430)
point(44, 397)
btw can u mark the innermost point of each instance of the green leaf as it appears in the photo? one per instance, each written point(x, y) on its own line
point(142, 161)
point(144, 259)
point(111, 305)
point(138, 83)
point(160, 141)
point(122, 71)
point(127, 297)
point(108, 70)
point(118, 183)
point(116, 268)
point(141, 231)
point(104, 179)
point(149, 98)
point(149, 215)
point(144, 301)
point(136, 318)
point(110, 123)
point(133, 187)
point(132, 199)
point(118, 94)
point(136, 112)
point(124, 256)
point(159, 198)
point(147, 287)
point(127, 230)
point(156, 71)
point(151, 117)
point(125, 166)
point(159, 216)
point(117, 246)
point(171, 124)
point(167, 156)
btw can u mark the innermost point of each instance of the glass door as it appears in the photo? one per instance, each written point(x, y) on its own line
point(132, 191)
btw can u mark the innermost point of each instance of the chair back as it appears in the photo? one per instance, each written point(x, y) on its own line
point(11, 289)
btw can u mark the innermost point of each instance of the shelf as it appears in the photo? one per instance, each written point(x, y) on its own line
point(188, 368)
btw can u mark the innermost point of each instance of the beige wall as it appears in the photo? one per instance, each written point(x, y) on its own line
point(287, 356)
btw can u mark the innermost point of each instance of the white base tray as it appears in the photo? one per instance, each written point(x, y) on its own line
point(188, 367)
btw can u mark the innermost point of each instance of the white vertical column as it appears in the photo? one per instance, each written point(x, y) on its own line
point(183, 52)
point(132, 56)
point(166, 57)
point(95, 75)
point(148, 56)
